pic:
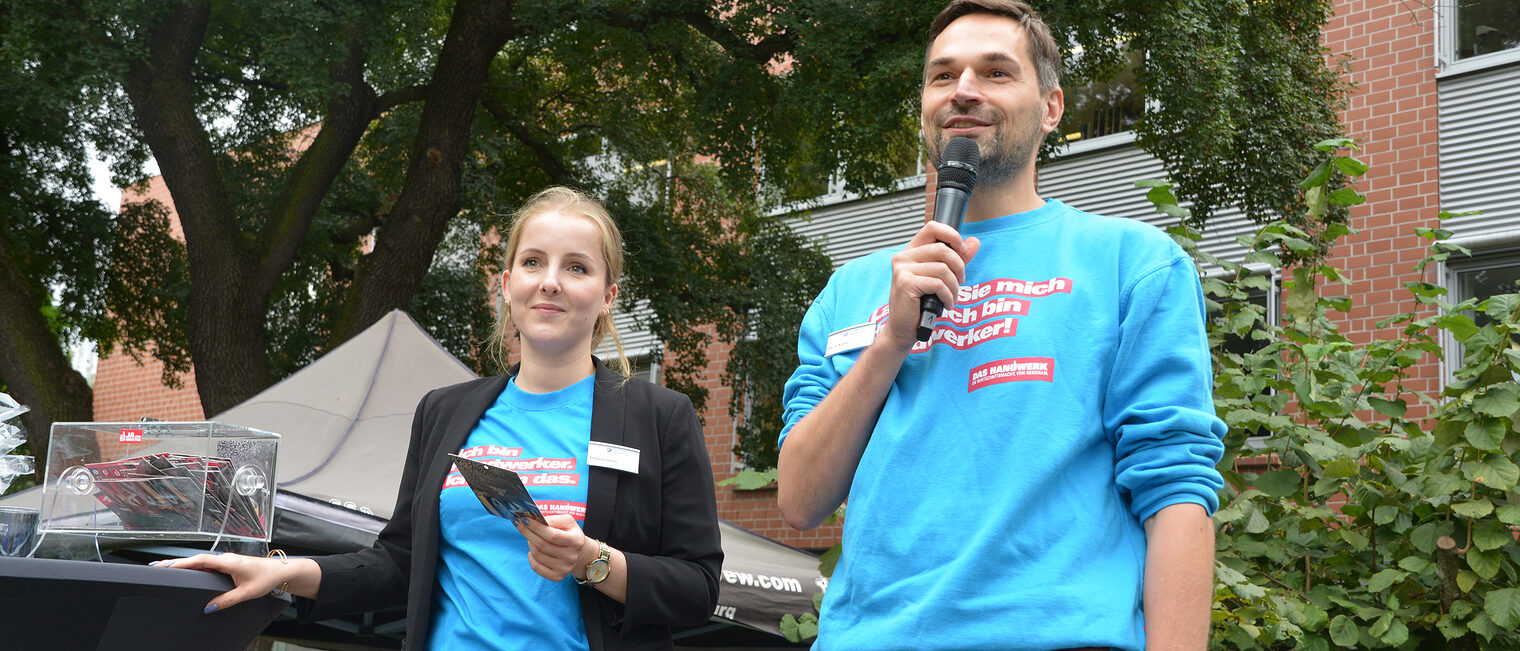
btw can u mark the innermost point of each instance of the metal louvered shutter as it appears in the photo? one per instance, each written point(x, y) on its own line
point(1103, 182)
point(847, 229)
point(1099, 181)
point(637, 339)
point(850, 229)
point(1480, 151)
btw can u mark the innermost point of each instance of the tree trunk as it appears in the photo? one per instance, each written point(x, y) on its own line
point(348, 116)
point(33, 365)
point(226, 322)
point(233, 275)
point(389, 276)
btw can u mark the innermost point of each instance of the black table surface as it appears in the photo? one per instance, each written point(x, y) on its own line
point(58, 604)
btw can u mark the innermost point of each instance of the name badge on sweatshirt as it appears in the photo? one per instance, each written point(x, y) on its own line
point(616, 457)
point(851, 338)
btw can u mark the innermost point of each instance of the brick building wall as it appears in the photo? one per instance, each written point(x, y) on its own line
point(755, 510)
point(1392, 114)
point(126, 390)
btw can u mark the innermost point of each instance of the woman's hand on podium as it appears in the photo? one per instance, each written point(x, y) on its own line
point(253, 576)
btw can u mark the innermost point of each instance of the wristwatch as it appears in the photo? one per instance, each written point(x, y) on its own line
point(599, 567)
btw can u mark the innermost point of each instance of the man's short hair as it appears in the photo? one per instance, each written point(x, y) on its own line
point(1042, 46)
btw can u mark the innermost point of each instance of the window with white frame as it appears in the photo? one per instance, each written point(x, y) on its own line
point(1104, 108)
point(1265, 300)
point(736, 464)
point(1481, 277)
point(1480, 27)
point(1477, 34)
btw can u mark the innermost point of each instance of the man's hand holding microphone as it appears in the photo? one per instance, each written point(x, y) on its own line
point(925, 277)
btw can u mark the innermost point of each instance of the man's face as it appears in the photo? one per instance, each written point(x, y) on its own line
point(980, 83)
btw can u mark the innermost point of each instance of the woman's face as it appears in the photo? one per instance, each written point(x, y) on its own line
point(557, 284)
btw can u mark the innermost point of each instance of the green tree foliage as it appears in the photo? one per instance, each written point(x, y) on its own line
point(1248, 84)
point(1386, 517)
point(56, 240)
point(749, 285)
point(328, 159)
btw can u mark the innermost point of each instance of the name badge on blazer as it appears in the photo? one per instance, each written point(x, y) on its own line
point(616, 457)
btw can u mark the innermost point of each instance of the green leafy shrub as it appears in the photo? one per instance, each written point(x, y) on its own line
point(1384, 517)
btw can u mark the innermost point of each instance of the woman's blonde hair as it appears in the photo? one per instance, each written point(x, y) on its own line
point(570, 202)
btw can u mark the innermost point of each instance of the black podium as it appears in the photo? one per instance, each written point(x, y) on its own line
point(51, 604)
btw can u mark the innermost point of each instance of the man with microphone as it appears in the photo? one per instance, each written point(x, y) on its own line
point(1038, 471)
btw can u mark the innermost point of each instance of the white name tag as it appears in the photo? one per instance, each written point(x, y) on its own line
point(616, 457)
point(851, 338)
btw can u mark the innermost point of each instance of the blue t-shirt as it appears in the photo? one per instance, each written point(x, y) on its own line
point(487, 596)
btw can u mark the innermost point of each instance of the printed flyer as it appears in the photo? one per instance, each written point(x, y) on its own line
point(500, 490)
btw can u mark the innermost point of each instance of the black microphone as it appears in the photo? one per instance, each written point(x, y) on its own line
point(957, 175)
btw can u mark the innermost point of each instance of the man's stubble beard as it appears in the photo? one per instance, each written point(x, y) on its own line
point(1004, 162)
point(1001, 160)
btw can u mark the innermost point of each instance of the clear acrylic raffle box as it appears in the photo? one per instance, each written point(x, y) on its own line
point(160, 481)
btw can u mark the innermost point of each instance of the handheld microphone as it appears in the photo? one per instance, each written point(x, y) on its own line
point(957, 176)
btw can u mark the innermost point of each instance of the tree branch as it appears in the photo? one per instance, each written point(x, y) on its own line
point(161, 93)
point(558, 172)
point(758, 52)
point(392, 99)
point(362, 225)
point(388, 277)
point(251, 82)
point(33, 365)
point(348, 117)
point(226, 317)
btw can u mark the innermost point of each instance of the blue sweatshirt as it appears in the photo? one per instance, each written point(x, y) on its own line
point(1061, 402)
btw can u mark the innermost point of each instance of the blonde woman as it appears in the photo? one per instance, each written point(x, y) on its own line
point(617, 465)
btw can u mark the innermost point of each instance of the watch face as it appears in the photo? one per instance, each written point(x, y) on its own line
point(597, 570)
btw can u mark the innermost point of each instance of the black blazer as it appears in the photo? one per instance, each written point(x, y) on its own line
point(664, 519)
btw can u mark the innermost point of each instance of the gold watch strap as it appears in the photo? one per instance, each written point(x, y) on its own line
point(604, 554)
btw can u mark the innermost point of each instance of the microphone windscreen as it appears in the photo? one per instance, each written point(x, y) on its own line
point(957, 168)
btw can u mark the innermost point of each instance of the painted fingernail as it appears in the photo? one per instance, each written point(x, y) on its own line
point(211, 609)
